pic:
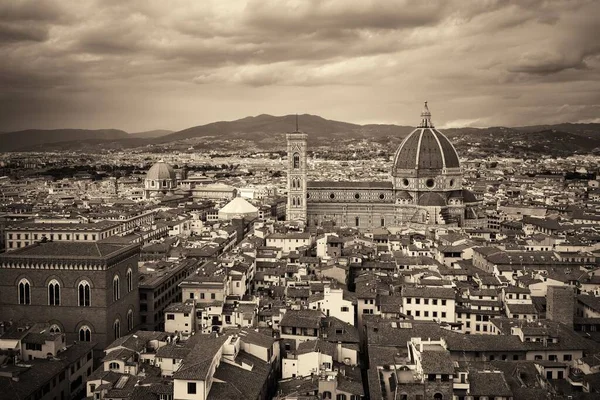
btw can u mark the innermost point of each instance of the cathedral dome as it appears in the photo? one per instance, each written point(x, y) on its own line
point(161, 171)
point(426, 148)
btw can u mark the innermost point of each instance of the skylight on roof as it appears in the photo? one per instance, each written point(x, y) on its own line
point(122, 382)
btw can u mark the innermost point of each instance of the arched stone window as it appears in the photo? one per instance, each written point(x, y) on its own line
point(296, 159)
point(326, 395)
point(129, 280)
point(54, 328)
point(117, 328)
point(85, 334)
point(54, 293)
point(113, 366)
point(116, 288)
point(24, 291)
point(84, 296)
point(129, 320)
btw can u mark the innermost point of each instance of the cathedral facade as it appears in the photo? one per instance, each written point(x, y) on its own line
point(425, 189)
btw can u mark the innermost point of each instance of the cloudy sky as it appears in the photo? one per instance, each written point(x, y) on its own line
point(156, 64)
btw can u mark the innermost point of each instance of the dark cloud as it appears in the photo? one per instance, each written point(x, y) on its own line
point(543, 63)
point(352, 59)
point(32, 10)
point(310, 17)
point(17, 32)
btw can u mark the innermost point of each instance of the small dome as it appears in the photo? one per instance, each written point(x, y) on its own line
point(404, 195)
point(431, 199)
point(426, 148)
point(161, 171)
point(469, 196)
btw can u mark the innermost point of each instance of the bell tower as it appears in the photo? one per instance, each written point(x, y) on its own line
point(296, 181)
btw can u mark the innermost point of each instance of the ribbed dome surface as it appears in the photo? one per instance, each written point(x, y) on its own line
point(161, 171)
point(426, 148)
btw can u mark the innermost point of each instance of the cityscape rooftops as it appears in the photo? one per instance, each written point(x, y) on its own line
point(68, 250)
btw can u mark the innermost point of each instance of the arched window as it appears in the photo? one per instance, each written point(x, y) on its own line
point(116, 288)
point(129, 320)
point(326, 395)
point(296, 160)
point(85, 334)
point(54, 293)
point(129, 280)
point(84, 294)
point(54, 328)
point(356, 221)
point(117, 328)
point(438, 396)
point(341, 396)
point(24, 291)
point(113, 366)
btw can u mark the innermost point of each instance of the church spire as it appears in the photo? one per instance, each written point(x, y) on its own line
point(426, 118)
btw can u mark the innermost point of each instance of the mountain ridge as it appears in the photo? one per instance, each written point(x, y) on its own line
point(265, 131)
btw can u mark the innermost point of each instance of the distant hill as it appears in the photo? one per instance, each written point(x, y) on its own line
point(268, 128)
point(555, 140)
point(30, 138)
point(150, 134)
point(266, 133)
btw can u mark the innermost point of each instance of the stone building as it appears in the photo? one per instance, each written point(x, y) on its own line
point(89, 291)
point(426, 187)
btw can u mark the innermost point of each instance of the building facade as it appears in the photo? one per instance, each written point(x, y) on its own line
point(159, 287)
point(426, 187)
point(88, 291)
point(26, 233)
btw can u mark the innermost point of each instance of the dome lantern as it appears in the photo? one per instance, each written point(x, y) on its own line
point(426, 117)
